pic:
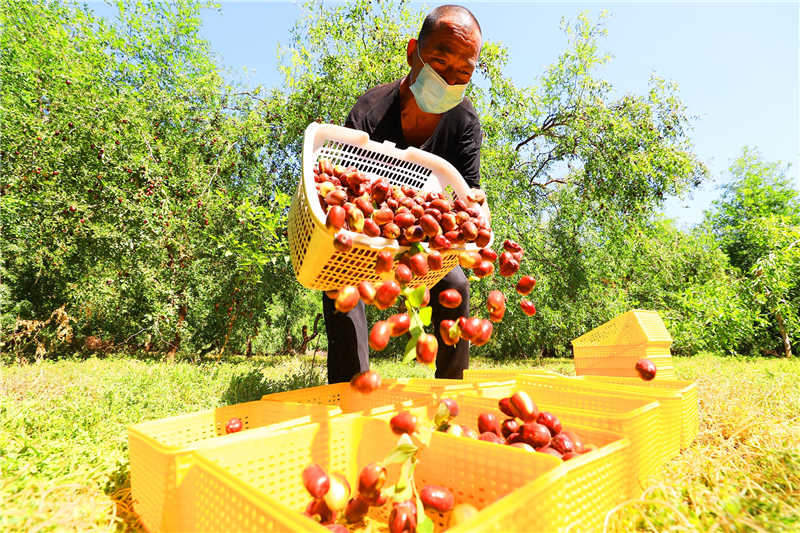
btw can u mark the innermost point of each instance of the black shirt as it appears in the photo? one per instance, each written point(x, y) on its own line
point(457, 137)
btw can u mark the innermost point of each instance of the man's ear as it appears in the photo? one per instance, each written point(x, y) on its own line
point(411, 49)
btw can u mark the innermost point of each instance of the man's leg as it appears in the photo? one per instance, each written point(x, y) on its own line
point(451, 361)
point(348, 344)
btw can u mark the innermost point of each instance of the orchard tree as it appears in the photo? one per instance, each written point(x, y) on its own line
point(575, 176)
point(775, 282)
point(150, 196)
point(133, 177)
point(757, 222)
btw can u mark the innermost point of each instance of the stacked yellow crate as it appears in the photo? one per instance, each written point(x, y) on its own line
point(613, 348)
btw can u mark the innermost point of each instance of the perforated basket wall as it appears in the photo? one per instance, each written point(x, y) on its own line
point(349, 400)
point(317, 264)
point(690, 415)
point(157, 448)
point(256, 486)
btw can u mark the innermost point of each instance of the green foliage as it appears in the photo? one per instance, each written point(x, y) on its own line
point(757, 223)
point(775, 282)
point(148, 196)
point(575, 176)
point(137, 187)
point(759, 193)
point(570, 172)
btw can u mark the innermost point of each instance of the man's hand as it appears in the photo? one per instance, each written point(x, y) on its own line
point(476, 195)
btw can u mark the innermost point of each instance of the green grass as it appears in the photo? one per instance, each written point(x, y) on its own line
point(63, 441)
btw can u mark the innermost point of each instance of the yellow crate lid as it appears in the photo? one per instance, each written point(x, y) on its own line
point(628, 329)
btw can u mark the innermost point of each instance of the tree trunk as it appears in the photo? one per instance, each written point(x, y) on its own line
point(306, 338)
point(288, 345)
point(176, 342)
point(787, 346)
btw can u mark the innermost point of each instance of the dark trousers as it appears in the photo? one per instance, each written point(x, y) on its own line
point(348, 334)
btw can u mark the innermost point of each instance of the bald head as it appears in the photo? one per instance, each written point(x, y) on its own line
point(450, 42)
point(449, 17)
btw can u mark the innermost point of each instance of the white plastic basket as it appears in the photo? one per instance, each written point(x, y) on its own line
point(317, 264)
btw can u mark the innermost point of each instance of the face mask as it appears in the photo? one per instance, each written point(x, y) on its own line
point(432, 93)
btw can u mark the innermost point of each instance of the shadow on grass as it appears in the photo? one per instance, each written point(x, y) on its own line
point(118, 489)
point(252, 385)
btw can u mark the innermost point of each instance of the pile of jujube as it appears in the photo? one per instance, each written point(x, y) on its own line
point(376, 208)
point(524, 426)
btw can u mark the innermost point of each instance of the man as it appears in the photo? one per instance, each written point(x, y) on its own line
point(425, 109)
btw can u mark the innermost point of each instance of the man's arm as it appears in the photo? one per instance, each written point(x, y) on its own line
point(469, 154)
point(350, 121)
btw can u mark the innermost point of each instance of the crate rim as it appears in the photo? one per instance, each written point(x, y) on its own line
point(618, 389)
point(649, 405)
point(139, 429)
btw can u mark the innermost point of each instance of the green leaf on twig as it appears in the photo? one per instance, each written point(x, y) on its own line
point(425, 315)
point(415, 297)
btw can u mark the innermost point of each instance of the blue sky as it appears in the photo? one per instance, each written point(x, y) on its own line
point(736, 64)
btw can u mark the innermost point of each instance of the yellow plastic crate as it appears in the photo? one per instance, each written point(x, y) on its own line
point(678, 397)
point(502, 374)
point(660, 437)
point(634, 419)
point(158, 448)
point(587, 487)
point(670, 427)
point(596, 482)
point(613, 348)
point(349, 400)
point(317, 264)
point(622, 362)
point(687, 390)
point(256, 485)
point(641, 419)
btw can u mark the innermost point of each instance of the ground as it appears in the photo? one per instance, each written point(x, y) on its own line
point(64, 459)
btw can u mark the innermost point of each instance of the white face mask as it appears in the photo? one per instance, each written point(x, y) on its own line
point(432, 93)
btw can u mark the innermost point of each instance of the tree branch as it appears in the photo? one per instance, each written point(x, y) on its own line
point(548, 182)
point(552, 121)
point(251, 95)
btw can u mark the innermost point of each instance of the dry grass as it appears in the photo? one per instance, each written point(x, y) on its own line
point(743, 471)
point(63, 446)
